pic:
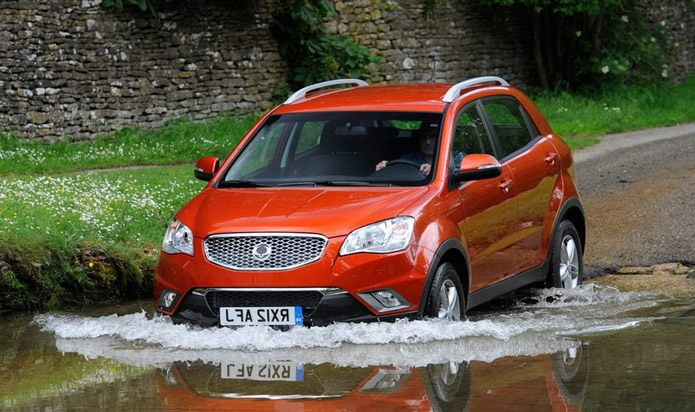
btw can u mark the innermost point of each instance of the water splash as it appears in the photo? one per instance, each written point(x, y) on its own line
point(535, 325)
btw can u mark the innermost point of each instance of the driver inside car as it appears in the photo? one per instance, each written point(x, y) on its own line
point(427, 134)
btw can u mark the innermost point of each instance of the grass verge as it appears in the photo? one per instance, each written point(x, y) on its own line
point(178, 141)
point(579, 119)
point(85, 237)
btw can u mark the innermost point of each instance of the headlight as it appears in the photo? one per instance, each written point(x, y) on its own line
point(382, 237)
point(178, 239)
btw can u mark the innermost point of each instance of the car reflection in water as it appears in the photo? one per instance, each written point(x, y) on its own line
point(555, 382)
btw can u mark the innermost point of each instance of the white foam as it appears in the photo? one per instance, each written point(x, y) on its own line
point(528, 329)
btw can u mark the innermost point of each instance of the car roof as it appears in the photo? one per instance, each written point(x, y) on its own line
point(425, 97)
point(421, 97)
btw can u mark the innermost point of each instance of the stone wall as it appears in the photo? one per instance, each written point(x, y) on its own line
point(71, 69)
point(465, 40)
point(677, 18)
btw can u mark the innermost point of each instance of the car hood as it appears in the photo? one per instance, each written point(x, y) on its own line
point(334, 211)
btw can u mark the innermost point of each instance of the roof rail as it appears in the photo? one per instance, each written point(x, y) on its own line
point(301, 93)
point(455, 90)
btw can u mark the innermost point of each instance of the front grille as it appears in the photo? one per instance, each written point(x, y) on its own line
point(307, 299)
point(264, 251)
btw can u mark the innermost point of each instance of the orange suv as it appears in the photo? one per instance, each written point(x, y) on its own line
point(365, 203)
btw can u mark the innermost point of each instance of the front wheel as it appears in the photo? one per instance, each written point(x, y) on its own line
point(566, 263)
point(446, 299)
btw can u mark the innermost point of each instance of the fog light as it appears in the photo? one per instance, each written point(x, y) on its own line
point(387, 299)
point(168, 299)
point(384, 300)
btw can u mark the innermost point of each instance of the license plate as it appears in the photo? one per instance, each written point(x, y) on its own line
point(272, 316)
point(276, 371)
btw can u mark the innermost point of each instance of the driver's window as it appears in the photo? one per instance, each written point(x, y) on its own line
point(470, 136)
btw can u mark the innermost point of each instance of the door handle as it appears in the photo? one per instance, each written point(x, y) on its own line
point(506, 185)
point(551, 158)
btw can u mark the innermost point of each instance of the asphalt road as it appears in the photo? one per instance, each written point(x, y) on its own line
point(638, 191)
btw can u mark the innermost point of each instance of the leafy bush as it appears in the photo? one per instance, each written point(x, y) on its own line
point(633, 50)
point(311, 52)
point(144, 5)
point(595, 42)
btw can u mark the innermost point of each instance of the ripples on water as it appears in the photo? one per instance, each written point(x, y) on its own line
point(541, 321)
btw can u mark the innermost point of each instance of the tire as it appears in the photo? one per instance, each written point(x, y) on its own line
point(571, 372)
point(448, 386)
point(446, 299)
point(566, 261)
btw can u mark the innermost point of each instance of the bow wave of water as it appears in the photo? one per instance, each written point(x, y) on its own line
point(541, 321)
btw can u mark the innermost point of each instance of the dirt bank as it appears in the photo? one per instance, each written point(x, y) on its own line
point(670, 279)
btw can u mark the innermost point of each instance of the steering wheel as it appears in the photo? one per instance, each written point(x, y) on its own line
point(403, 162)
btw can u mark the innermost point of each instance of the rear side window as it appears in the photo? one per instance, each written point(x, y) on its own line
point(509, 125)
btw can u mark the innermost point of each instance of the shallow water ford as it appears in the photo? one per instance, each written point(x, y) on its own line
point(594, 349)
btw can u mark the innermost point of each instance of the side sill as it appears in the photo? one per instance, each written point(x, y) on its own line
point(486, 294)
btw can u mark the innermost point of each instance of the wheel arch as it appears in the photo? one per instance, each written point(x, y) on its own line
point(573, 211)
point(452, 251)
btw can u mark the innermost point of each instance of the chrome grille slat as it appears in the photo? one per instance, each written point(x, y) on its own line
point(288, 250)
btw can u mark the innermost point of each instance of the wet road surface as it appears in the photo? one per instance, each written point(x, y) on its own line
point(596, 349)
point(639, 199)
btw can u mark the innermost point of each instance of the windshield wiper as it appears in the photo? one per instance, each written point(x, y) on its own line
point(240, 183)
point(332, 183)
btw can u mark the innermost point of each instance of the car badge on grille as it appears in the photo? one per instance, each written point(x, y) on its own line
point(261, 251)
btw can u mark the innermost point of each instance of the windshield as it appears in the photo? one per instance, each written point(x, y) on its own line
point(339, 149)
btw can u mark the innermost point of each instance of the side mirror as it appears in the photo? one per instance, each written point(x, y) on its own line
point(477, 167)
point(206, 167)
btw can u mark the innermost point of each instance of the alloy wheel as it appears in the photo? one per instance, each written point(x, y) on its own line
point(449, 302)
point(569, 263)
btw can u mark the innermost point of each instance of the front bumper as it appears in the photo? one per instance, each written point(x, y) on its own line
point(201, 306)
point(402, 274)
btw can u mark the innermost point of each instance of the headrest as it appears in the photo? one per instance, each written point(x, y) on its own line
point(427, 128)
point(349, 130)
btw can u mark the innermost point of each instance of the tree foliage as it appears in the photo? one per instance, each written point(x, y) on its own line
point(312, 53)
point(576, 42)
point(144, 5)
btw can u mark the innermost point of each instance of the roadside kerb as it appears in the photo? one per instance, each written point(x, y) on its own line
point(621, 141)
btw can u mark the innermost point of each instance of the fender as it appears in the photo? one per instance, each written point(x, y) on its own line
point(446, 246)
point(571, 202)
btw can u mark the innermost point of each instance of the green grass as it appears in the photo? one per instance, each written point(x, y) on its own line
point(126, 206)
point(81, 237)
point(85, 237)
point(178, 141)
point(579, 120)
